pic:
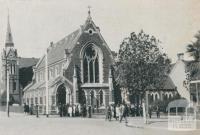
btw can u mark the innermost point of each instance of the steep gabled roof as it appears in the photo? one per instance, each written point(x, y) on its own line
point(168, 83)
point(165, 84)
point(27, 62)
point(56, 51)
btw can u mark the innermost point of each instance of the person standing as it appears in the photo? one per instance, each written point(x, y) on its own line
point(84, 111)
point(158, 112)
point(124, 113)
point(60, 109)
point(89, 111)
point(25, 110)
point(121, 109)
point(109, 113)
point(150, 112)
point(70, 111)
point(117, 112)
point(114, 111)
point(31, 109)
point(141, 111)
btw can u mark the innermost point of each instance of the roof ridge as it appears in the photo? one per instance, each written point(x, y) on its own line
point(66, 37)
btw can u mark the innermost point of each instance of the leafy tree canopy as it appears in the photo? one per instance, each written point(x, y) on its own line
point(141, 64)
point(194, 48)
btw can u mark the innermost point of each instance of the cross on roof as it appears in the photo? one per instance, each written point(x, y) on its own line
point(89, 7)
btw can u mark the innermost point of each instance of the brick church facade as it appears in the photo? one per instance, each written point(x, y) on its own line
point(78, 71)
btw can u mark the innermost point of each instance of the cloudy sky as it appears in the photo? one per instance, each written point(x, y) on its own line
point(35, 23)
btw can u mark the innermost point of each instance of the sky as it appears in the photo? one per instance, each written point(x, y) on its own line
point(36, 23)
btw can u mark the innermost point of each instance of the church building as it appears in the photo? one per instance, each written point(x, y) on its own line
point(16, 72)
point(79, 71)
point(9, 71)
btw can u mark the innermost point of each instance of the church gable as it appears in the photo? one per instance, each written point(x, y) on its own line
point(90, 36)
point(10, 53)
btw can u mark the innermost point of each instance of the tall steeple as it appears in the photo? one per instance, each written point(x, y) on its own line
point(9, 38)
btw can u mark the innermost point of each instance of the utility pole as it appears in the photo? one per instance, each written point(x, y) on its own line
point(7, 84)
point(46, 84)
point(7, 88)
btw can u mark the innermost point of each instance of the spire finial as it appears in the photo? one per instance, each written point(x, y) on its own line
point(9, 38)
point(89, 12)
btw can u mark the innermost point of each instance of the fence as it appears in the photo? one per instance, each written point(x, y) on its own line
point(182, 123)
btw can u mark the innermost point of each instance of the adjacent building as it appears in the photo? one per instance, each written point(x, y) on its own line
point(12, 72)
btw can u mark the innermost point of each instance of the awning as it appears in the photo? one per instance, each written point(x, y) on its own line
point(178, 103)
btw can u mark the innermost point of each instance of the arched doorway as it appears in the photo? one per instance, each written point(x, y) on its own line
point(61, 95)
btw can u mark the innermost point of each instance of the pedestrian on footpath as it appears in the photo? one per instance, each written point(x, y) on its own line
point(121, 110)
point(106, 113)
point(31, 109)
point(150, 112)
point(60, 109)
point(109, 113)
point(117, 112)
point(70, 111)
point(114, 111)
point(158, 112)
point(89, 111)
point(125, 113)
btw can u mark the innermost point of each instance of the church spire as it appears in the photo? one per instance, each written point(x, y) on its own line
point(9, 38)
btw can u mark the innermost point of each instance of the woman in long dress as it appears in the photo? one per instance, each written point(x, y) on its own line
point(117, 112)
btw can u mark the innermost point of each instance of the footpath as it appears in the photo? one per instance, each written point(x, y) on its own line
point(133, 122)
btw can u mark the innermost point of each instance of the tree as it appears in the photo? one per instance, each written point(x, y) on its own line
point(116, 86)
point(141, 64)
point(194, 48)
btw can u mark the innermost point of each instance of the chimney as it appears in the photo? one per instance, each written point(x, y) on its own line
point(180, 56)
point(67, 53)
point(51, 44)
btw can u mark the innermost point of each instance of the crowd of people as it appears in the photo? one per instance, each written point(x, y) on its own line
point(118, 112)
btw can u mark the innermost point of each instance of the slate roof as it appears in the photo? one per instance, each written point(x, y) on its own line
point(56, 52)
point(27, 62)
point(167, 84)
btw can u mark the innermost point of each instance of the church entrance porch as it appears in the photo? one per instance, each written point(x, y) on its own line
point(61, 95)
point(97, 98)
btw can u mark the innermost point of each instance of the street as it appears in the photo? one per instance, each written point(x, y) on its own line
point(54, 125)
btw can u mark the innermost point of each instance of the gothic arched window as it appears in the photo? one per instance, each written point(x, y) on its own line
point(91, 65)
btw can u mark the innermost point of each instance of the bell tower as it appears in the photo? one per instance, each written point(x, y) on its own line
point(10, 69)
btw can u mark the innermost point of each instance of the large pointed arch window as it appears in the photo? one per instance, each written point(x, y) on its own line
point(91, 64)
